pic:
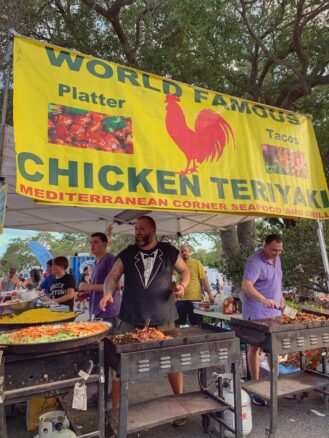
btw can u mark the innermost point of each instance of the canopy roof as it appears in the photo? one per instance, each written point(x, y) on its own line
point(23, 213)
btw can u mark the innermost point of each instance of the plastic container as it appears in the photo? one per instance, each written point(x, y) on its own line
point(228, 305)
point(218, 305)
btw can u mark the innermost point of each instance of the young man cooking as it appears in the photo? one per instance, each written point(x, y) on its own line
point(262, 293)
point(148, 268)
point(102, 267)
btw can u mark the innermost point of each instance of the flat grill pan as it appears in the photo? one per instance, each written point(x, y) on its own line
point(185, 336)
point(6, 327)
point(45, 347)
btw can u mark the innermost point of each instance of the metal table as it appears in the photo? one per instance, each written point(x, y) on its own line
point(276, 338)
point(190, 348)
point(218, 315)
point(49, 374)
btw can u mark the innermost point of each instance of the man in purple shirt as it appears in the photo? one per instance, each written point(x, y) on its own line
point(262, 290)
point(103, 266)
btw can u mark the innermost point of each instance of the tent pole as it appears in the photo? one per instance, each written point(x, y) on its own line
point(179, 234)
point(323, 250)
point(8, 61)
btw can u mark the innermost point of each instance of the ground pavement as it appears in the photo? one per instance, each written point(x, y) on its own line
point(295, 417)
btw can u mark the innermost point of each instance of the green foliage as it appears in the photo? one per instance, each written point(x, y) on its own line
point(208, 258)
point(19, 255)
point(120, 242)
point(301, 260)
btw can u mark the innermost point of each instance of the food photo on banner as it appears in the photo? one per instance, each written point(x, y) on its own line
point(111, 136)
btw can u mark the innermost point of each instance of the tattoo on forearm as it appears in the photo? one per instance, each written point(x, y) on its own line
point(113, 278)
point(110, 285)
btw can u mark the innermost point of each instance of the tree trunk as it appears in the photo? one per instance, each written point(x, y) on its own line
point(246, 234)
point(231, 248)
point(230, 242)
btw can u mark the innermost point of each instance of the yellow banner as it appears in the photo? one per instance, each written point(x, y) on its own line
point(94, 133)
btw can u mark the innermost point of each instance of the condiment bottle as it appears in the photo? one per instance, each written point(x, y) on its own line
point(228, 305)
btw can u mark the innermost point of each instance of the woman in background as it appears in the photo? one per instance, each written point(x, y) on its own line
point(34, 281)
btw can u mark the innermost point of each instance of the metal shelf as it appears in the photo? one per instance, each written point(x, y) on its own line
point(152, 413)
point(300, 381)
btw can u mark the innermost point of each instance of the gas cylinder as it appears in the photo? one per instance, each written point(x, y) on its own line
point(54, 425)
point(64, 433)
point(228, 395)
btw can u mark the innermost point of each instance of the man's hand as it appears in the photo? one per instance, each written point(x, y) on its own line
point(84, 287)
point(179, 292)
point(269, 303)
point(83, 296)
point(45, 298)
point(107, 299)
point(211, 299)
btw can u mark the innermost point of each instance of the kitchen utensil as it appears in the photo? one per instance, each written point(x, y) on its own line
point(147, 323)
point(288, 311)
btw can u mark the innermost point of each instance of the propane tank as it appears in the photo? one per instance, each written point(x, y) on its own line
point(228, 395)
point(54, 425)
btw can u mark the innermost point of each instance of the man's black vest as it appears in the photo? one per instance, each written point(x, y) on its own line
point(155, 300)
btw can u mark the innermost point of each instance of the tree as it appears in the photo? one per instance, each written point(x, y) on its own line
point(270, 51)
point(19, 255)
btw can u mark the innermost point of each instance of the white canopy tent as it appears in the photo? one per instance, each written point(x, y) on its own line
point(24, 213)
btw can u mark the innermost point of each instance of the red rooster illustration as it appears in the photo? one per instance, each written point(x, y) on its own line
point(208, 139)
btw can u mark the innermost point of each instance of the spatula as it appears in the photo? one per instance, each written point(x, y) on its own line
point(288, 311)
point(147, 324)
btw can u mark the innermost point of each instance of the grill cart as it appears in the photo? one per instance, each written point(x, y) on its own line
point(189, 349)
point(277, 338)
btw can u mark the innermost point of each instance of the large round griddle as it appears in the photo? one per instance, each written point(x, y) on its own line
point(45, 347)
point(6, 327)
point(9, 308)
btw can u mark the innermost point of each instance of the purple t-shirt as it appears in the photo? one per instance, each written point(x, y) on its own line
point(267, 279)
point(98, 275)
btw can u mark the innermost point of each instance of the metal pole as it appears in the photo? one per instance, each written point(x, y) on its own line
point(323, 250)
point(179, 234)
point(8, 60)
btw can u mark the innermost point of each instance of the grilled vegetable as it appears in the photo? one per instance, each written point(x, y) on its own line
point(52, 333)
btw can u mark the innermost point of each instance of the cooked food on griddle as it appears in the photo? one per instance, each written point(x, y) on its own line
point(140, 335)
point(302, 317)
point(36, 316)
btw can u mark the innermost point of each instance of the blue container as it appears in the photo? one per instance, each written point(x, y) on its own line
point(78, 263)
